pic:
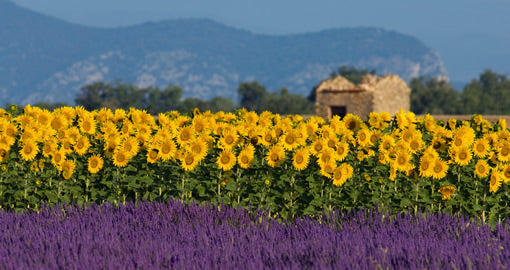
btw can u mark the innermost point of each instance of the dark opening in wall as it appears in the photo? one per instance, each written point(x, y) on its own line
point(338, 110)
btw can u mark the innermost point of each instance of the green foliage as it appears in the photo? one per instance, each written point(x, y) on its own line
point(429, 95)
point(490, 94)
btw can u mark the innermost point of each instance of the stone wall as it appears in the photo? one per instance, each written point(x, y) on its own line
point(356, 102)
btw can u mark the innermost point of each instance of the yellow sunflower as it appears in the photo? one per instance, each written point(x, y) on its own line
point(188, 161)
point(481, 147)
point(342, 149)
point(275, 156)
point(82, 145)
point(462, 156)
point(387, 142)
point(495, 181)
point(167, 150)
point(68, 167)
point(439, 169)
point(229, 139)
point(130, 146)
point(426, 166)
point(339, 177)
point(200, 124)
point(152, 156)
point(352, 122)
point(290, 140)
point(325, 156)
point(482, 168)
point(317, 147)
point(4, 154)
point(402, 161)
point(447, 192)
point(327, 169)
point(415, 145)
point(226, 160)
point(185, 136)
point(120, 158)
point(246, 156)
point(29, 150)
point(363, 137)
point(505, 174)
point(199, 148)
point(87, 125)
point(300, 159)
point(504, 152)
point(95, 164)
point(57, 158)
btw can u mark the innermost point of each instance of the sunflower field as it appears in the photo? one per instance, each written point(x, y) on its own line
point(286, 164)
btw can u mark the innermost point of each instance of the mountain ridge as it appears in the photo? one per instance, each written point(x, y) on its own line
point(47, 59)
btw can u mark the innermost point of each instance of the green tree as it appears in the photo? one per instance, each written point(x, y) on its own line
point(251, 94)
point(286, 103)
point(490, 94)
point(429, 95)
point(163, 101)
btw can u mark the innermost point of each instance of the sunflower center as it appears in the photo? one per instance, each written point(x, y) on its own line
point(289, 139)
point(481, 169)
point(438, 168)
point(225, 159)
point(480, 148)
point(463, 156)
point(401, 160)
point(121, 158)
point(505, 151)
point(229, 140)
point(458, 142)
point(274, 157)
point(28, 149)
point(318, 147)
point(507, 173)
point(299, 159)
point(425, 166)
point(268, 138)
point(188, 160)
point(153, 154)
point(338, 174)
point(245, 159)
point(93, 163)
point(165, 149)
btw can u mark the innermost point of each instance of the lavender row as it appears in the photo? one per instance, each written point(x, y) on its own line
point(190, 236)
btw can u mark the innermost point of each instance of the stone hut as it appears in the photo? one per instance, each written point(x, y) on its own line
point(338, 96)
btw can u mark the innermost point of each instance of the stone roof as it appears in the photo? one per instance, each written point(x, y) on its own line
point(369, 82)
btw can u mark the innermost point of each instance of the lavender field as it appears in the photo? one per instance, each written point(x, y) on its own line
point(190, 236)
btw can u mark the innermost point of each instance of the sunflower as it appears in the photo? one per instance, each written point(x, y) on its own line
point(463, 137)
point(87, 125)
point(504, 152)
point(447, 192)
point(326, 156)
point(95, 163)
point(226, 160)
point(317, 147)
point(363, 137)
point(275, 156)
point(426, 166)
point(373, 119)
point(415, 145)
point(339, 177)
point(290, 140)
point(199, 148)
point(352, 122)
point(11, 130)
point(57, 158)
point(188, 161)
point(167, 150)
point(495, 181)
point(327, 169)
point(439, 169)
point(505, 174)
point(481, 147)
point(130, 146)
point(67, 145)
point(342, 149)
point(34, 167)
point(82, 145)
point(300, 159)
point(200, 124)
point(462, 156)
point(152, 156)
point(68, 167)
point(185, 136)
point(482, 169)
point(387, 142)
point(245, 157)
point(402, 161)
point(29, 150)
point(120, 158)
point(229, 139)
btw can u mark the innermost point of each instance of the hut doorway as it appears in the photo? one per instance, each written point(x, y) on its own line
point(338, 110)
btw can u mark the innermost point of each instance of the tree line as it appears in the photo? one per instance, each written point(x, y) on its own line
point(488, 94)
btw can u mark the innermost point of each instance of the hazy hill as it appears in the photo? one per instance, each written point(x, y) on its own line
point(43, 58)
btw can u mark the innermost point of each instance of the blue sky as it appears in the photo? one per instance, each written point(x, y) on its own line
point(470, 35)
